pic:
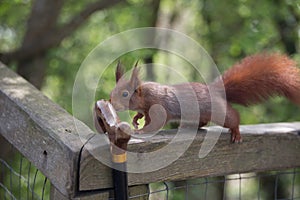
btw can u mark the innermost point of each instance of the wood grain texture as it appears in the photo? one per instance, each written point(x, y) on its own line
point(140, 192)
point(56, 195)
point(41, 130)
point(264, 147)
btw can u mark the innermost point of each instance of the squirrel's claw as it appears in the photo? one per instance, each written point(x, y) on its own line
point(135, 122)
point(235, 136)
point(236, 139)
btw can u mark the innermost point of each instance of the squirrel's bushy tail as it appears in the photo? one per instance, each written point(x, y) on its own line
point(258, 77)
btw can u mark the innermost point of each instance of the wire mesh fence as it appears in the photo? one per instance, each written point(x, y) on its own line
point(277, 185)
point(19, 179)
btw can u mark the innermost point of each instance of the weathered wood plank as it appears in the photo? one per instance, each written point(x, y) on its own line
point(56, 195)
point(41, 130)
point(140, 192)
point(264, 147)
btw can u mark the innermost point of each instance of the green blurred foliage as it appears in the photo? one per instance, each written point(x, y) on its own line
point(13, 15)
point(228, 31)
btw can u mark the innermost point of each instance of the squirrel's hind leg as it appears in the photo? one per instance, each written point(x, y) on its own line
point(232, 121)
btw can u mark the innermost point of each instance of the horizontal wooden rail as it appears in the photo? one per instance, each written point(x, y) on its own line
point(265, 147)
point(46, 135)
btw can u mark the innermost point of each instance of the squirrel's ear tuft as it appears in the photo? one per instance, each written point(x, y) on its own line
point(119, 71)
point(135, 80)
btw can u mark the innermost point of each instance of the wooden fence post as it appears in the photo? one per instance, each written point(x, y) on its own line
point(56, 195)
point(139, 192)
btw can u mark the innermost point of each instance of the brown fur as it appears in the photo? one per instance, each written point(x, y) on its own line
point(258, 77)
point(253, 80)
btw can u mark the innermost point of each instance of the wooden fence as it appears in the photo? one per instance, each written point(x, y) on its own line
point(46, 135)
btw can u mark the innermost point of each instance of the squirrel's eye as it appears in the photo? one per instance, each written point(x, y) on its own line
point(125, 94)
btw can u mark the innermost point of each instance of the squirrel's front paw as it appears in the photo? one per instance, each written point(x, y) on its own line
point(135, 122)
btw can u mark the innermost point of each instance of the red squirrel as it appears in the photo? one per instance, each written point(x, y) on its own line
point(253, 80)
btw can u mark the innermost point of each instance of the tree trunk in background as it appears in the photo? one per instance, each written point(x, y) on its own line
point(42, 20)
point(288, 26)
point(149, 68)
point(44, 32)
point(33, 70)
point(149, 58)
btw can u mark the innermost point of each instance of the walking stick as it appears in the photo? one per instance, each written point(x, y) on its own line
point(119, 133)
